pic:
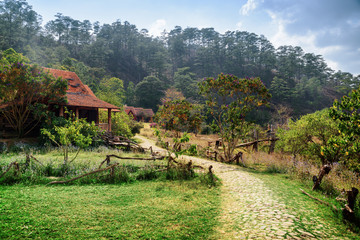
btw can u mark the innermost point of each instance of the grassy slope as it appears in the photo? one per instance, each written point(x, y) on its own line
point(155, 209)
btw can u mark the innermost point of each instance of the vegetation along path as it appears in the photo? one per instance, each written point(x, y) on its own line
point(252, 209)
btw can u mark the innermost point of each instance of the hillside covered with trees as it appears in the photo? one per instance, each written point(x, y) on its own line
point(119, 62)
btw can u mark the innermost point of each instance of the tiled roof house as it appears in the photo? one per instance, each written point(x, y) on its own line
point(140, 114)
point(81, 100)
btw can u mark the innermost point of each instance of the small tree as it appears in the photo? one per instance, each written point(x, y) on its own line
point(178, 116)
point(229, 99)
point(347, 143)
point(172, 94)
point(308, 136)
point(73, 132)
point(26, 90)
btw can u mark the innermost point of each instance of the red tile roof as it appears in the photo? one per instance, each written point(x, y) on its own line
point(79, 94)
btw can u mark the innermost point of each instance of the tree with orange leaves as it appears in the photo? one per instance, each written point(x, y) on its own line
point(229, 99)
point(178, 116)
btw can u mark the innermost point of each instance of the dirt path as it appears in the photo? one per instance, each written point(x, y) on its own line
point(250, 209)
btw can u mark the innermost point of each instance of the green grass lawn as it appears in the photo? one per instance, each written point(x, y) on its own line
point(156, 209)
point(141, 210)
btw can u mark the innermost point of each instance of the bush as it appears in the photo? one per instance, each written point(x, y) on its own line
point(192, 150)
point(3, 147)
point(210, 180)
point(121, 175)
point(122, 124)
point(147, 174)
point(180, 172)
point(206, 129)
point(273, 168)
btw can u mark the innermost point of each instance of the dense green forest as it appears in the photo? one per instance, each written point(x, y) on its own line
point(120, 62)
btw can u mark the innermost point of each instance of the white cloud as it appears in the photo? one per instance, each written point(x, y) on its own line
point(333, 65)
point(353, 23)
point(239, 25)
point(249, 6)
point(157, 27)
point(307, 41)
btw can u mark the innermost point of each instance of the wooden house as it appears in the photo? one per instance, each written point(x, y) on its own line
point(140, 114)
point(80, 100)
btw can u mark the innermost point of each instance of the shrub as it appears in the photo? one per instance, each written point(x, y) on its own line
point(122, 124)
point(71, 132)
point(147, 174)
point(274, 168)
point(180, 172)
point(209, 180)
point(192, 150)
point(3, 147)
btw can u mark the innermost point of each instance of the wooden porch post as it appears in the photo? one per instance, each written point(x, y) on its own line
point(109, 119)
point(77, 113)
point(61, 111)
point(97, 116)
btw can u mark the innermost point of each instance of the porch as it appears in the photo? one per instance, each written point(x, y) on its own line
point(90, 114)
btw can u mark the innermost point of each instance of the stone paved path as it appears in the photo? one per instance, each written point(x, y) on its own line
point(250, 209)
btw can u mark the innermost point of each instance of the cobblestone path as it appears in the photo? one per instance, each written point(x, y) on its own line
point(251, 210)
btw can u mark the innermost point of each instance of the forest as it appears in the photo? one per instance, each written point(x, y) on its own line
point(121, 63)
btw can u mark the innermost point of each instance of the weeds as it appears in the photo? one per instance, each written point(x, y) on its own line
point(49, 168)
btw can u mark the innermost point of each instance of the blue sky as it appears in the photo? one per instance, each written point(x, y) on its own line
point(330, 28)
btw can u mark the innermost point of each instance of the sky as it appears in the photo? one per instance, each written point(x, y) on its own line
point(330, 28)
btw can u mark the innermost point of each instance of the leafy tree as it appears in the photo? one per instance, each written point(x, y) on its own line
point(280, 90)
point(229, 99)
point(172, 94)
point(69, 31)
point(345, 82)
point(290, 62)
point(112, 91)
point(149, 92)
point(19, 24)
point(178, 116)
point(73, 132)
point(308, 136)
point(184, 82)
point(346, 146)
point(27, 91)
point(10, 56)
point(130, 99)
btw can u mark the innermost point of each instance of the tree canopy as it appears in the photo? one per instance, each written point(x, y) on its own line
point(26, 90)
point(346, 146)
point(149, 92)
point(180, 58)
point(229, 99)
